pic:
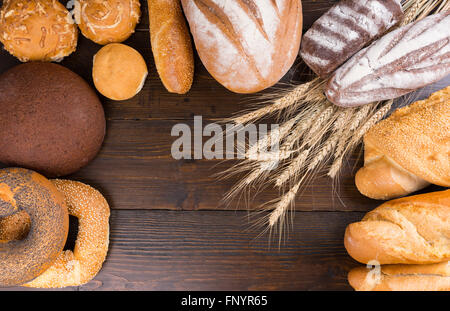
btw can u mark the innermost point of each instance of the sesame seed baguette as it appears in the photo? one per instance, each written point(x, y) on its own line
point(171, 45)
point(408, 150)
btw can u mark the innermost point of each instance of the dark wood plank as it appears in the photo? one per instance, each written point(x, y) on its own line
point(163, 250)
point(135, 170)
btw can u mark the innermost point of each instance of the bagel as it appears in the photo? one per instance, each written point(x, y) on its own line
point(27, 191)
point(14, 227)
point(82, 265)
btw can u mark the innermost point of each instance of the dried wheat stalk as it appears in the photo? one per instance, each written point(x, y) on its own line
point(313, 131)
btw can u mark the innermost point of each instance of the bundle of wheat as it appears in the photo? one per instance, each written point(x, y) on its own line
point(312, 132)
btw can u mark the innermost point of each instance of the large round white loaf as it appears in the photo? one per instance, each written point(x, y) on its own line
point(246, 45)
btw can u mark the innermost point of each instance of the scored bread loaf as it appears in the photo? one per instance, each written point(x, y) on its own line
point(246, 45)
point(408, 150)
point(433, 277)
point(171, 45)
point(400, 62)
point(411, 230)
point(344, 29)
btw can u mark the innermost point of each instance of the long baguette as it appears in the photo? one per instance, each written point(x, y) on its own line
point(171, 45)
point(411, 230)
point(409, 150)
point(402, 61)
point(433, 277)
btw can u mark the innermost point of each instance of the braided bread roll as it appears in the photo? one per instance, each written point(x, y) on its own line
point(402, 61)
point(408, 150)
point(412, 230)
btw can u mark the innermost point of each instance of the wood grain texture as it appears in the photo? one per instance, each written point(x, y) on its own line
point(135, 170)
point(209, 249)
point(202, 250)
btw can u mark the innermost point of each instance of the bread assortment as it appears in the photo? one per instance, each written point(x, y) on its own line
point(53, 122)
point(409, 150)
point(37, 30)
point(119, 71)
point(344, 30)
point(107, 21)
point(171, 45)
point(402, 61)
point(55, 132)
point(24, 190)
point(247, 46)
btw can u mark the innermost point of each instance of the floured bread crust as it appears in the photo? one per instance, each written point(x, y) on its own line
point(346, 28)
point(402, 61)
point(249, 45)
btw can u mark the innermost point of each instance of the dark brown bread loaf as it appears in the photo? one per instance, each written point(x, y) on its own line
point(51, 120)
point(344, 30)
point(402, 61)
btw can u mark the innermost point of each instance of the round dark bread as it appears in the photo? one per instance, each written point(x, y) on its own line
point(51, 120)
point(27, 191)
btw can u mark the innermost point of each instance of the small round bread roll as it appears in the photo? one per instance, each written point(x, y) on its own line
point(37, 30)
point(119, 71)
point(107, 21)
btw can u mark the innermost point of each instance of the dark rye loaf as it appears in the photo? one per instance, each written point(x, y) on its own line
point(344, 30)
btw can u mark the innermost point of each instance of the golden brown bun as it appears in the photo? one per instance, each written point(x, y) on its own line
point(107, 21)
point(411, 230)
point(246, 46)
point(408, 150)
point(82, 265)
point(25, 190)
point(171, 45)
point(37, 30)
point(119, 71)
point(433, 277)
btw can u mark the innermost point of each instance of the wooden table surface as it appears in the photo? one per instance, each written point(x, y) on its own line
point(168, 230)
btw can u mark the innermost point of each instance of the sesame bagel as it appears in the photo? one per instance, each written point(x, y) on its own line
point(26, 191)
point(82, 265)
